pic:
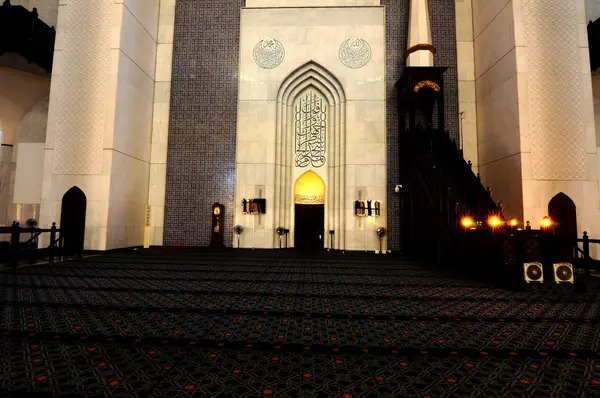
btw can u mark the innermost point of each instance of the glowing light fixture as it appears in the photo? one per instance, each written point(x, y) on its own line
point(513, 222)
point(309, 189)
point(426, 83)
point(467, 222)
point(546, 222)
point(494, 221)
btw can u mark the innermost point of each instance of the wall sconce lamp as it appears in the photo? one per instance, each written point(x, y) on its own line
point(494, 222)
point(514, 224)
point(467, 223)
point(546, 222)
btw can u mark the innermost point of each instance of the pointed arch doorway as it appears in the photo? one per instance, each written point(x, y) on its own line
point(563, 213)
point(309, 210)
point(72, 220)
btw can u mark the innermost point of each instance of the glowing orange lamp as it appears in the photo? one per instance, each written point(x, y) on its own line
point(546, 222)
point(494, 221)
point(467, 222)
point(513, 222)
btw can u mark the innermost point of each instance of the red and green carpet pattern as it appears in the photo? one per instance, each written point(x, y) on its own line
point(275, 324)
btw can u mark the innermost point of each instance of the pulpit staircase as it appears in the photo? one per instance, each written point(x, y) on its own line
point(22, 32)
point(439, 187)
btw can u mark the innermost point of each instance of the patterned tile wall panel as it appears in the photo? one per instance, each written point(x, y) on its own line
point(555, 90)
point(201, 154)
point(81, 106)
point(201, 159)
point(443, 27)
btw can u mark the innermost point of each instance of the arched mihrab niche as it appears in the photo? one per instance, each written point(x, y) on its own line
point(310, 129)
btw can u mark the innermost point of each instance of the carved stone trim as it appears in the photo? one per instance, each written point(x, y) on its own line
point(309, 199)
point(420, 47)
point(268, 53)
point(355, 53)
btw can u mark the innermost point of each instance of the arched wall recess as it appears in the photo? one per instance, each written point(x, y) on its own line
point(312, 76)
point(309, 189)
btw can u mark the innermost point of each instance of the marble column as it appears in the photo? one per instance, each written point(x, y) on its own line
point(100, 117)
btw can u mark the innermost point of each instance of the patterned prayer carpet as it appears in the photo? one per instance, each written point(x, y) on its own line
point(283, 324)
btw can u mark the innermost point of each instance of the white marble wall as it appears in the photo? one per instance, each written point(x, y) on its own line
point(524, 152)
point(23, 114)
point(302, 31)
point(29, 173)
point(553, 172)
point(592, 10)
point(310, 3)
point(498, 116)
point(117, 185)
point(135, 50)
point(467, 99)
point(160, 121)
point(7, 183)
point(19, 93)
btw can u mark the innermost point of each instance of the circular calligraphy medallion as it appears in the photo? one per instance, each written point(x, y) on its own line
point(268, 53)
point(355, 52)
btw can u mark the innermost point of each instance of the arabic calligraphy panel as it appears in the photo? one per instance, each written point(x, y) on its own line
point(310, 128)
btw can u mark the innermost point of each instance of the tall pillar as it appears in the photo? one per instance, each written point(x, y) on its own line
point(535, 107)
point(467, 100)
point(100, 117)
point(420, 46)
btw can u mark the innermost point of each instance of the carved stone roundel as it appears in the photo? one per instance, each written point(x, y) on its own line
point(355, 52)
point(268, 53)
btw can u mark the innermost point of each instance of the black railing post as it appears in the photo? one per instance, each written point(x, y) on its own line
point(457, 213)
point(448, 199)
point(586, 254)
point(52, 243)
point(14, 243)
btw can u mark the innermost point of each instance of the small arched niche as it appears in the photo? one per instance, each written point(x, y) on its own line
point(309, 189)
point(72, 220)
point(563, 213)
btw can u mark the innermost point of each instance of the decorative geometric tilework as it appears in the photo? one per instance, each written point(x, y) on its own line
point(555, 90)
point(201, 152)
point(81, 108)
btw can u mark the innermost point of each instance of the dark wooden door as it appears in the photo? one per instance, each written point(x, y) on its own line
point(310, 227)
point(563, 214)
point(72, 220)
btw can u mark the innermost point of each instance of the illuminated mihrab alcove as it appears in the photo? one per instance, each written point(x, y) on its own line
point(309, 189)
point(309, 209)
